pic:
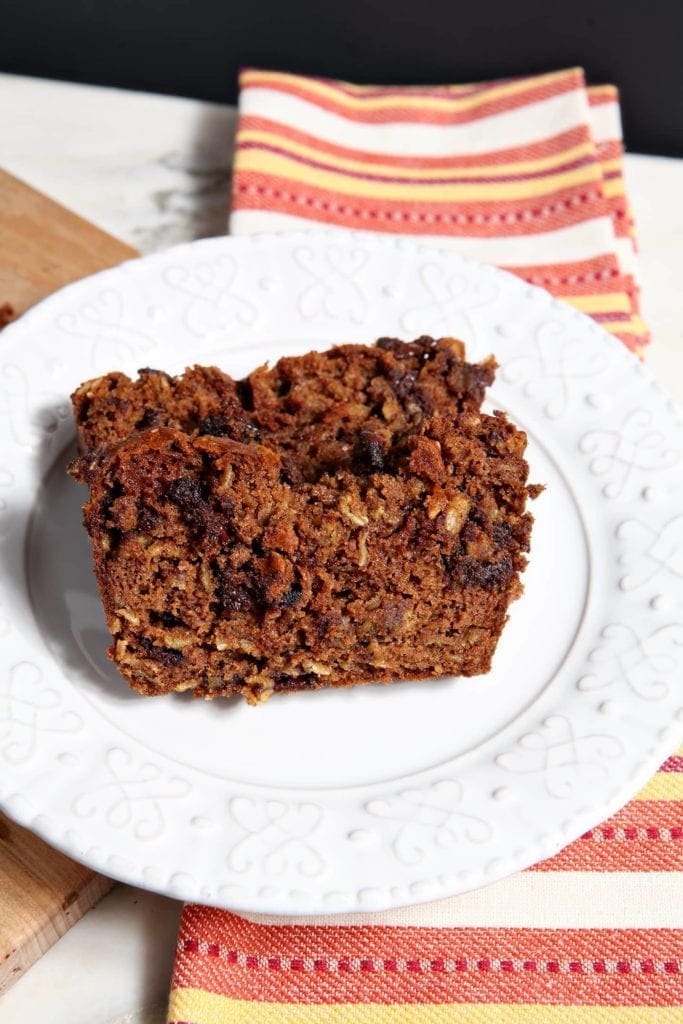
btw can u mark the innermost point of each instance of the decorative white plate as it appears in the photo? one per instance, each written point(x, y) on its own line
point(376, 796)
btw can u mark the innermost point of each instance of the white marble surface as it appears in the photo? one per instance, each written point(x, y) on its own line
point(154, 171)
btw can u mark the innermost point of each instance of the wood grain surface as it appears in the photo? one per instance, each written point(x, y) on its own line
point(42, 893)
point(42, 247)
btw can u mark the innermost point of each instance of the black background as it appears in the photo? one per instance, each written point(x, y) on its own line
point(195, 47)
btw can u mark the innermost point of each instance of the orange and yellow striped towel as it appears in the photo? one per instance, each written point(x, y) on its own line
point(524, 173)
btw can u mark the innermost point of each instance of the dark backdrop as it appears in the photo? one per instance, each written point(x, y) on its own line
point(195, 47)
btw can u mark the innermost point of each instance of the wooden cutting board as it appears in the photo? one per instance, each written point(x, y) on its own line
point(42, 892)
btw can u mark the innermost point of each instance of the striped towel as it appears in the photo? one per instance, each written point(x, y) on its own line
point(525, 173)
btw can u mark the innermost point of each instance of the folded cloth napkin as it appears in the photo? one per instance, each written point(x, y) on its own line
point(525, 173)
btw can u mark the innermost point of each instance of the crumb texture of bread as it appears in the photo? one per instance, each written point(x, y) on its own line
point(343, 517)
point(7, 314)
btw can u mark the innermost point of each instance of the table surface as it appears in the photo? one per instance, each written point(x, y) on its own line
point(155, 171)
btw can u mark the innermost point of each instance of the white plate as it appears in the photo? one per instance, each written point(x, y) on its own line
point(376, 796)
